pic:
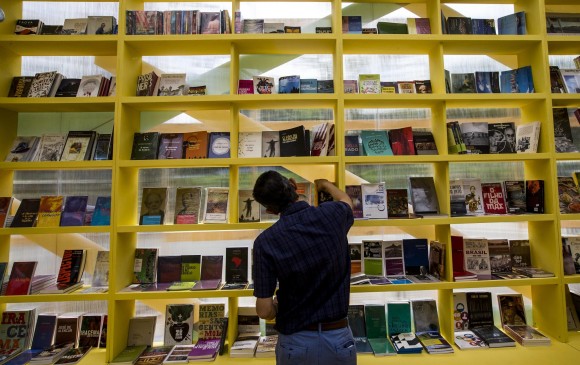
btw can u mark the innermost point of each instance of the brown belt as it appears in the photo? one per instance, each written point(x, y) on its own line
point(327, 326)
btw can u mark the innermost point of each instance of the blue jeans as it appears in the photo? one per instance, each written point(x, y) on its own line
point(316, 348)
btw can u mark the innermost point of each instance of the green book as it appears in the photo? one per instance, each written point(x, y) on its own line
point(190, 267)
point(373, 267)
point(392, 28)
point(399, 317)
point(382, 346)
point(129, 355)
point(181, 285)
point(375, 321)
point(376, 143)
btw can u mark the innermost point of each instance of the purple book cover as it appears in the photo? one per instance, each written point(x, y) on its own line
point(205, 348)
point(74, 211)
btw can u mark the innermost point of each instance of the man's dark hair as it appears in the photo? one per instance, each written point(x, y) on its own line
point(274, 191)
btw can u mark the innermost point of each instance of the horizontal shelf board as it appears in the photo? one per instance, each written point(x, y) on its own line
point(399, 287)
point(508, 218)
point(57, 165)
point(493, 157)
point(442, 220)
point(511, 282)
point(40, 298)
point(393, 100)
point(59, 45)
point(566, 100)
point(193, 227)
point(98, 104)
point(570, 217)
point(56, 230)
point(411, 159)
point(452, 285)
point(563, 44)
point(572, 279)
point(489, 44)
point(214, 44)
point(281, 161)
point(567, 156)
point(497, 100)
point(400, 222)
point(389, 43)
point(226, 162)
point(164, 294)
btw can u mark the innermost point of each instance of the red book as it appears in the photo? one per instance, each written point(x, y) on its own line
point(401, 140)
point(459, 272)
point(493, 198)
point(20, 278)
point(245, 86)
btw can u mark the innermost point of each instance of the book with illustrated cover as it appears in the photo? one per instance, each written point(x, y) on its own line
point(179, 354)
point(320, 139)
point(23, 149)
point(78, 146)
point(476, 256)
point(90, 85)
point(16, 328)
point(146, 84)
point(75, 26)
point(474, 135)
point(187, 205)
point(210, 325)
point(141, 331)
point(473, 196)
point(419, 25)
point(44, 84)
point(145, 146)
point(483, 26)
point(374, 200)
point(263, 84)
point(527, 336)
point(515, 196)
point(369, 83)
point(72, 267)
point(153, 206)
point(26, 213)
point(455, 143)
point(50, 147)
point(423, 195)
point(571, 78)
point(459, 25)
point(90, 330)
point(487, 82)
point(50, 210)
point(499, 256)
point(392, 28)
point(195, 144)
point(401, 140)
point(423, 87)
point(289, 84)
point(397, 203)
point(236, 269)
point(249, 144)
point(568, 195)
point(467, 340)
point(20, 86)
point(73, 213)
point(493, 198)
point(178, 324)
point(406, 87)
point(460, 312)
point(218, 145)
point(101, 271)
point(216, 205)
point(563, 139)
point(514, 24)
point(168, 269)
point(463, 83)
point(102, 212)
point(376, 143)
point(355, 194)
point(511, 309)
point(171, 84)
point(293, 142)
point(249, 208)
point(103, 147)
point(170, 146)
point(145, 266)
point(350, 86)
point(534, 196)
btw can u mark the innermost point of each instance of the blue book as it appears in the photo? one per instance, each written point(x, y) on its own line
point(352, 24)
point(219, 145)
point(308, 86)
point(512, 24)
point(44, 331)
point(416, 256)
point(24, 357)
point(351, 146)
point(74, 211)
point(483, 26)
point(517, 81)
point(102, 213)
point(289, 84)
point(376, 143)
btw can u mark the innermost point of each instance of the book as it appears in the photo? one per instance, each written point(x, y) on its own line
point(73, 213)
point(90, 330)
point(463, 83)
point(369, 83)
point(483, 26)
point(78, 146)
point(218, 145)
point(320, 139)
point(141, 330)
point(195, 144)
point(129, 355)
point(289, 84)
point(532, 272)
point(293, 142)
point(455, 143)
point(512, 24)
point(253, 26)
point(103, 147)
point(263, 84)
point(350, 86)
point(67, 328)
point(459, 271)
point(266, 346)
point(50, 147)
point(89, 86)
point(476, 256)
point(153, 206)
point(52, 354)
point(424, 142)
point(534, 196)
point(101, 24)
point(352, 24)
point(568, 195)
point(499, 256)
point(357, 324)
point(325, 86)
point(146, 84)
point(273, 28)
point(20, 278)
point(49, 211)
point(101, 270)
point(75, 26)
point(520, 253)
point(248, 209)
point(26, 213)
point(23, 149)
point(145, 146)
point(211, 324)
point(401, 140)
point(423, 195)
point(376, 143)
point(187, 205)
point(527, 336)
point(204, 350)
point(467, 340)
point(389, 87)
point(351, 145)
point(475, 137)
point(5, 210)
point(20, 86)
point(419, 25)
point(479, 307)
point(426, 322)
point(493, 198)
point(170, 146)
point(28, 26)
point(171, 84)
point(563, 138)
point(416, 256)
point(145, 266)
point(178, 324)
point(406, 87)
point(216, 205)
point(557, 84)
point(423, 87)
point(392, 28)
point(102, 212)
point(270, 144)
point(178, 354)
point(459, 25)
point(71, 267)
point(308, 86)
point(571, 79)
point(397, 203)
point(374, 200)
point(487, 82)
point(236, 269)
point(74, 355)
point(502, 137)
point(493, 337)
point(473, 196)
point(16, 328)
point(515, 196)
point(245, 86)
point(44, 84)
point(168, 269)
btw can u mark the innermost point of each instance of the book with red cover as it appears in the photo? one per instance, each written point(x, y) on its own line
point(493, 198)
point(21, 278)
point(5, 202)
point(245, 86)
point(401, 140)
point(71, 267)
point(459, 272)
point(168, 269)
point(211, 267)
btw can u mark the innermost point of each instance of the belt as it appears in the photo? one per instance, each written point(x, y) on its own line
point(327, 326)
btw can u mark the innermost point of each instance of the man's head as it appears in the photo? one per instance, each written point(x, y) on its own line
point(275, 192)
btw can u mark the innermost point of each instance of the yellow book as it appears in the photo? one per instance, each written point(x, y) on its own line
point(50, 211)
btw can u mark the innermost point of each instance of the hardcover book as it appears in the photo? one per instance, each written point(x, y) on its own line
point(20, 86)
point(493, 337)
point(73, 213)
point(145, 146)
point(170, 146)
point(519, 80)
point(423, 195)
point(73, 355)
point(5, 209)
point(293, 142)
point(406, 87)
point(153, 206)
point(350, 86)
point(75, 26)
point(26, 213)
point(568, 195)
point(216, 205)
point(145, 266)
point(460, 312)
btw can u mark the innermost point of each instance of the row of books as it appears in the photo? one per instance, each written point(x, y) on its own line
point(518, 80)
point(39, 86)
point(71, 26)
point(73, 146)
point(54, 84)
point(286, 85)
point(50, 338)
point(168, 84)
point(511, 24)
point(55, 211)
point(563, 23)
point(565, 80)
point(151, 22)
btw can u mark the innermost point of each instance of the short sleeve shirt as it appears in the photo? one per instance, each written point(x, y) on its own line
point(306, 253)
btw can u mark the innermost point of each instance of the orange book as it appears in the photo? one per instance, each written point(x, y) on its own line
point(195, 144)
point(50, 211)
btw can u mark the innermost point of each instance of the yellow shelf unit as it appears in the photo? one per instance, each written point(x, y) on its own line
point(547, 295)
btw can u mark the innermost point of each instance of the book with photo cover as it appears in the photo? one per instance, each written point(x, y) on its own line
point(423, 195)
point(153, 205)
point(187, 205)
point(325, 86)
point(463, 83)
point(145, 146)
point(502, 137)
point(475, 137)
point(355, 194)
point(527, 137)
point(289, 84)
point(424, 142)
point(571, 77)
point(216, 205)
point(308, 86)
point(476, 257)
point(103, 147)
point(28, 26)
point(73, 213)
point(487, 82)
point(483, 26)
point(520, 253)
point(253, 26)
point(78, 146)
point(473, 196)
point(249, 208)
point(459, 25)
point(171, 84)
point(26, 213)
point(563, 139)
point(515, 196)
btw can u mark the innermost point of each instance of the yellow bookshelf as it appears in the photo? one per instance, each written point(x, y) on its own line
point(127, 51)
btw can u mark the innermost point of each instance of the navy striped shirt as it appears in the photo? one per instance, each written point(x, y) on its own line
point(306, 252)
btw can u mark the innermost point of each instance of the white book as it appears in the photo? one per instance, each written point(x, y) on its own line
point(527, 137)
point(473, 196)
point(476, 257)
point(75, 26)
point(216, 205)
point(467, 340)
point(50, 147)
point(374, 200)
point(90, 86)
point(571, 78)
point(171, 84)
point(250, 144)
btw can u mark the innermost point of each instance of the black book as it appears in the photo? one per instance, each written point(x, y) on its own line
point(236, 264)
point(480, 309)
point(103, 147)
point(20, 86)
point(515, 196)
point(493, 336)
point(145, 146)
point(68, 88)
point(78, 146)
point(563, 139)
point(26, 214)
point(424, 142)
point(293, 142)
point(459, 25)
point(535, 196)
point(351, 145)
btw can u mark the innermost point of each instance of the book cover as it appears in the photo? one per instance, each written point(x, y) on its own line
point(499, 256)
point(473, 196)
point(71, 267)
point(392, 28)
point(355, 194)
point(424, 142)
point(49, 211)
point(249, 144)
point(398, 317)
point(89, 86)
point(416, 256)
point(103, 147)
point(455, 143)
point(374, 200)
point(419, 25)
point(90, 330)
point(187, 205)
point(78, 146)
point(101, 271)
point(483, 26)
point(263, 84)
point(480, 309)
point(270, 144)
point(211, 267)
point(502, 137)
point(195, 144)
point(376, 143)
point(520, 253)
point(170, 146)
point(145, 146)
point(352, 145)
point(389, 87)
point(475, 137)
point(20, 278)
point(571, 78)
point(219, 145)
point(190, 268)
point(102, 212)
point(512, 24)
point(248, 208)
point(5, 209)
point(459, 25)
point(511, 309)
point(43, 84)
point(352, 24)
point(141, 331)
point(211, 320)
point(23, 149)
point(168, 269)
point(401, 140)
point(515, 196)
point(423, 195)
point(372, 257)
point(129, 354)
point(463, 83)
point(289, 84)
point(320, 139)
point(145, 266)
point(73, 213)
point(308, 86)
point(204, 350)
point(563, 139)
point(476, 256)
point(557, 84)
point(437, 260)
point(245, 86)
point(236, 269)
point(293, 142)
point(20, 86)
point(74, 355)
point(357, 324)
point(178, 324)
point(171, 84)
point(67, 328)
point(325, 86)
point(369, 83)
point(493, 198)
point(406, 343)
point(101, 24)
point(253, 26)
point(568, 195)
point(493, 336)
point(16, 329)
point(423, 87)
point(460, 312)
point(75, 26)
point(425, 316)
point(50, 147)
point(483, 82)
point(153, 206)
point(534, 196)
point(146, 84)
point(216, 205)
point(26, 213)
point(350, 86)
point(397, 203)
point(28, 26)
point(45, 328)
point(394, 260)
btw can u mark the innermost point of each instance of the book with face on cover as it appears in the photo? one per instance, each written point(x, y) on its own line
point(153, 205)
point(187, 205)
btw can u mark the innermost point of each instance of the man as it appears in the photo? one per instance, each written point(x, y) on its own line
point(306, 253)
